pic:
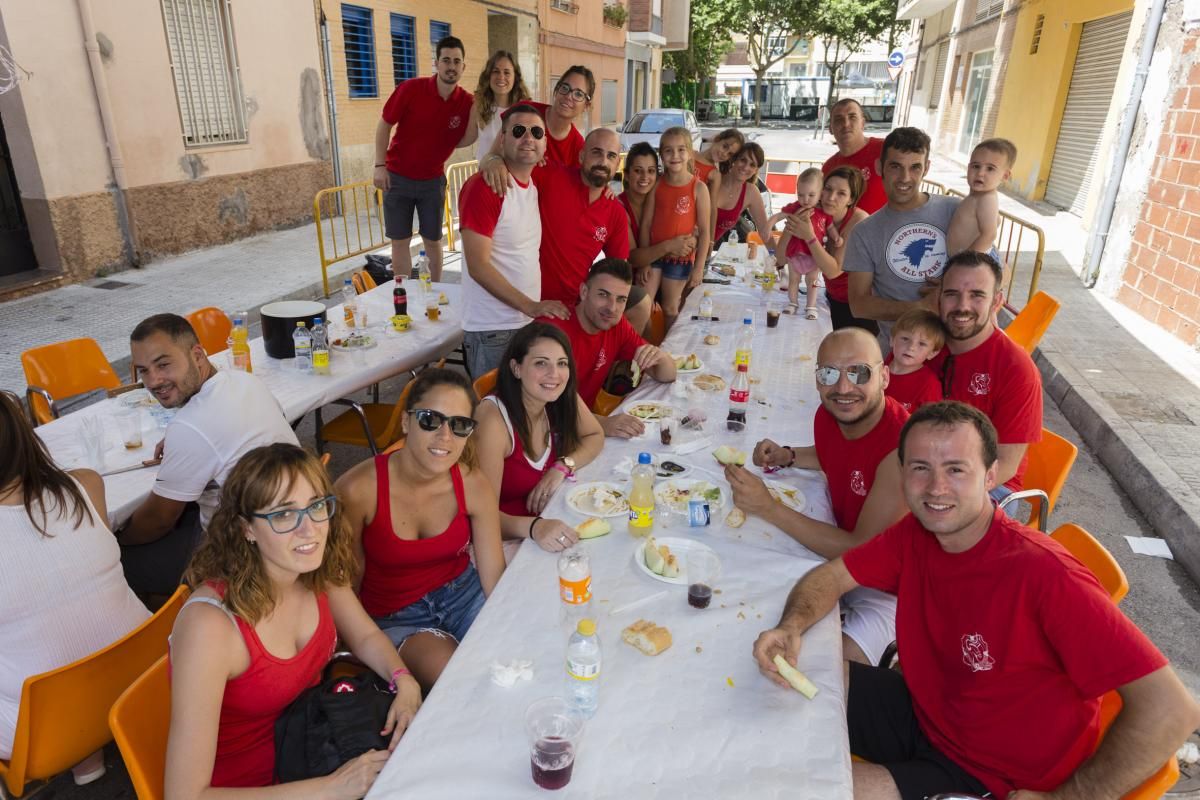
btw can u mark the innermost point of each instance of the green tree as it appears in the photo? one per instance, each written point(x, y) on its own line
point(846, 26)
point(773, 29)
point(707, 45)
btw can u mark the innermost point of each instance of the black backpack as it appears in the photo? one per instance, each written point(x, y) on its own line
point(329, 724)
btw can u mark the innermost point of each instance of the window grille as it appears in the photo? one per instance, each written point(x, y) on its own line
point(359, 36)
point(404, 48)
point(204, 64)
point(437, 32)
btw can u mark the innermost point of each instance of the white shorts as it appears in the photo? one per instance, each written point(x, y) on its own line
point(869, 618)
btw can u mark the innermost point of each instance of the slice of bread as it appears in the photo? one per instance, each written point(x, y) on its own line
point(651, 639)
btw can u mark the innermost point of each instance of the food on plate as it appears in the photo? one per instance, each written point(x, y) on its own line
point(790, 496)
point(709, 383)
point(648, 410)
point(651, 639)
point(354, 340)
point(655, 562)
point(712, 338)
point(795, 677)
point(735, 518)
point(724, 269)
point(670, 562)
point(592, 527)
point(601, 500)
point(728, 455)
point(687, 362)
point(675, 495)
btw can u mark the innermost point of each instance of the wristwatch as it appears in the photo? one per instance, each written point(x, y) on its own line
point(566, 465)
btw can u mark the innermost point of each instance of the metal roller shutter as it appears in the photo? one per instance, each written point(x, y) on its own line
point(1101, 46)
point(939, 74)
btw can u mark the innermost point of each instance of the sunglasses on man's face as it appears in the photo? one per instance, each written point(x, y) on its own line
point(431, 420)
point(858, 374)
point(518, 131)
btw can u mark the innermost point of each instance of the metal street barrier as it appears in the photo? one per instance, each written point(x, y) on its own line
point(349, 222)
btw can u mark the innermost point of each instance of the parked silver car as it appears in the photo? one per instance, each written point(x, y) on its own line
point(648, 124)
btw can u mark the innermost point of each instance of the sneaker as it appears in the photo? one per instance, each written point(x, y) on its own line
point(89, 770)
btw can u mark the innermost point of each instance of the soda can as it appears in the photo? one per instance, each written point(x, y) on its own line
point(698, 514)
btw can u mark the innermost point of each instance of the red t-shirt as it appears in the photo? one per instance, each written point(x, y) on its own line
point(914, 389)
point(873, 197)
point(820, 222)
point(563, 151)
point(575, 231)
point(428, 127)
point(595, 353)
point(1007, 648)
point(1000, 379)
point(849, 465)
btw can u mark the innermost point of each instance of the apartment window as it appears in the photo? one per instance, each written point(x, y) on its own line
point(437, 32)
point(608, 102)
point(204, 63)
point(404, 48)
point(1037, 34)
point(359, 37)
point(986, 9)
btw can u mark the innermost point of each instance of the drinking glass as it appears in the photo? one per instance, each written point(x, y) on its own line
point(702, 568)
point(92, 430)
point(553, 726)
point(129, 422)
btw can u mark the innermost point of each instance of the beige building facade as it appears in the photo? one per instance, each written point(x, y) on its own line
point(146, 127)
point(575, 32)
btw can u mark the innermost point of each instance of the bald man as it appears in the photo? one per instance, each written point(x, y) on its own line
point(581, 219)
point(856, 432)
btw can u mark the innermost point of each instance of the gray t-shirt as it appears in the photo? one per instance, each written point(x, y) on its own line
point(902, 248)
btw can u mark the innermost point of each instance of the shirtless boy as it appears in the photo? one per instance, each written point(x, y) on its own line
point(977, 218)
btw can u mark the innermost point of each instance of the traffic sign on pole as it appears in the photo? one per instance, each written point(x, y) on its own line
point(895, 62)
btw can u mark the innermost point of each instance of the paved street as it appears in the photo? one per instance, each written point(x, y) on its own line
point(1163, 599)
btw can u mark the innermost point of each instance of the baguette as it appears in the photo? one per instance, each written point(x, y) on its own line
point(651, 639)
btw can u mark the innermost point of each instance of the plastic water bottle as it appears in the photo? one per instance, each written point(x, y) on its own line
point(423, 273)
point(239, 343)
point(706, 311)
point(302, 342)
point(641, 499)
point(320, 348)
point(744, 343)
point(349, 302)
point(583, 667)
point(575, 585)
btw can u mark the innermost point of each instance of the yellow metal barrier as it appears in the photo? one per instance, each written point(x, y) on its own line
point(349, 222)
point(456, 176)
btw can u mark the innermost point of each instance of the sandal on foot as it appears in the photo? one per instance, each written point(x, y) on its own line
point(810, 312)
point(792, 308)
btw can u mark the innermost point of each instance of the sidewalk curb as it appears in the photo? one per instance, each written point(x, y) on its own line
point(1170, 506)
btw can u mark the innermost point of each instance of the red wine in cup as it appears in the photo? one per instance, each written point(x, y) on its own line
point(552, 761)
point(699, 595)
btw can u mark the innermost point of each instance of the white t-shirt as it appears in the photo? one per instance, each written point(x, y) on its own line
point(233, 413)
point(488, 133)
point(514, 225)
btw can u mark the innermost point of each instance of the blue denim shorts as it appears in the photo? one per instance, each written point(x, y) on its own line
point(998, 494)
point(674, 270)
point(447, 610)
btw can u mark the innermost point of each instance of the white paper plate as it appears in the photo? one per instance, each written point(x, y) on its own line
point(678, 547)
point(371, 343)
point(682, 371)
point(580, 499)
point(662, 487)
point(655, 410)
point(789, 495)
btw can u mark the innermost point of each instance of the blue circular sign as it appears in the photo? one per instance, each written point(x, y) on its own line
point(896, 58)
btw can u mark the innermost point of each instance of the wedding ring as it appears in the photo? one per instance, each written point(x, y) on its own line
point(562, 538)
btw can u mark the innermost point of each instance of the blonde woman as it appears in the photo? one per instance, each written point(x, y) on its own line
point(500, 87)
point(272, 594)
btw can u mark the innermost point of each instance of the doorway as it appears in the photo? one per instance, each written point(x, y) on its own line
point(977, 89)
point(16, 249)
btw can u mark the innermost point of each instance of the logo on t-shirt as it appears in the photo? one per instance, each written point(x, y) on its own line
point(975, 653)
point(917, 251)
point(601, 360)
point(600, 234)
point(454, 122)
point(866, 173)
point(858, 484)
point(683, 205)
point(981, 384)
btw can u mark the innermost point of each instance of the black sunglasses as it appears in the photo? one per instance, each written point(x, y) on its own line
point(431, 420)
point(858, 374)
point(518, 131)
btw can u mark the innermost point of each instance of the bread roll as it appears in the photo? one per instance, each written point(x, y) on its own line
point(651, 639)
point(735, 518)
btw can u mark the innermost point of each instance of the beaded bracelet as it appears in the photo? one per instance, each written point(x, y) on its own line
point(395, 674)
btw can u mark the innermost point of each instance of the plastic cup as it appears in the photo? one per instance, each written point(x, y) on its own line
point(553, 726)
point(92, 430)
point(129, 422)
point(432, 312)
point(702, 569)
point(774, 309)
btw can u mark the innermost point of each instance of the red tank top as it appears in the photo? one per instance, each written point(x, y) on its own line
point(839, 288)
point(633, 220)
point(256, 698)
point(398, 572)
point(727, 217)
point(519, 475)
point(674, 213)
point(702, 170)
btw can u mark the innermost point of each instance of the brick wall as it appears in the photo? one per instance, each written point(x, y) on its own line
point(1161, 280)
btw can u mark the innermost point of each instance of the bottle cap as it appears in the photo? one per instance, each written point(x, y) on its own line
point(316, 321)
point(300, 324)
point(586, 627)
point(422, 254)
point(747, 320)
point(644, 458)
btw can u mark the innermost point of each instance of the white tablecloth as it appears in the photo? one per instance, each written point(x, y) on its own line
point(297, 393)
point(697, 720)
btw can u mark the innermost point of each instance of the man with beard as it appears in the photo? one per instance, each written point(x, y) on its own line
point(431, 116)
point(1008, 645)
point(855, 433)
point(600, 336)
point(222, 415)
point(982, 367)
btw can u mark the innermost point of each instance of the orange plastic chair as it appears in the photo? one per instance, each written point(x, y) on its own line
point(1049, 465)
point(1157, 784)
point(486, 382)
point(212, 326)
point(606, 403)
point(1095, 557)
point(63, 714)
point(140, 721)
point(61, 370)
point(358, 426)
point(780, 182)
point(1030, 325)
point(657, 329)
point(363, 282)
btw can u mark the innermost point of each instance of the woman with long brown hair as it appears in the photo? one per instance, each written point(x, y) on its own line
point(414, 517)
point(272, 582)
point(500, 87)
point(61, 586)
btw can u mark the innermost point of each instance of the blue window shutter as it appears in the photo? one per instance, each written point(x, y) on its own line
point(437, 32)
point(360, 51)
point(404, 48)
